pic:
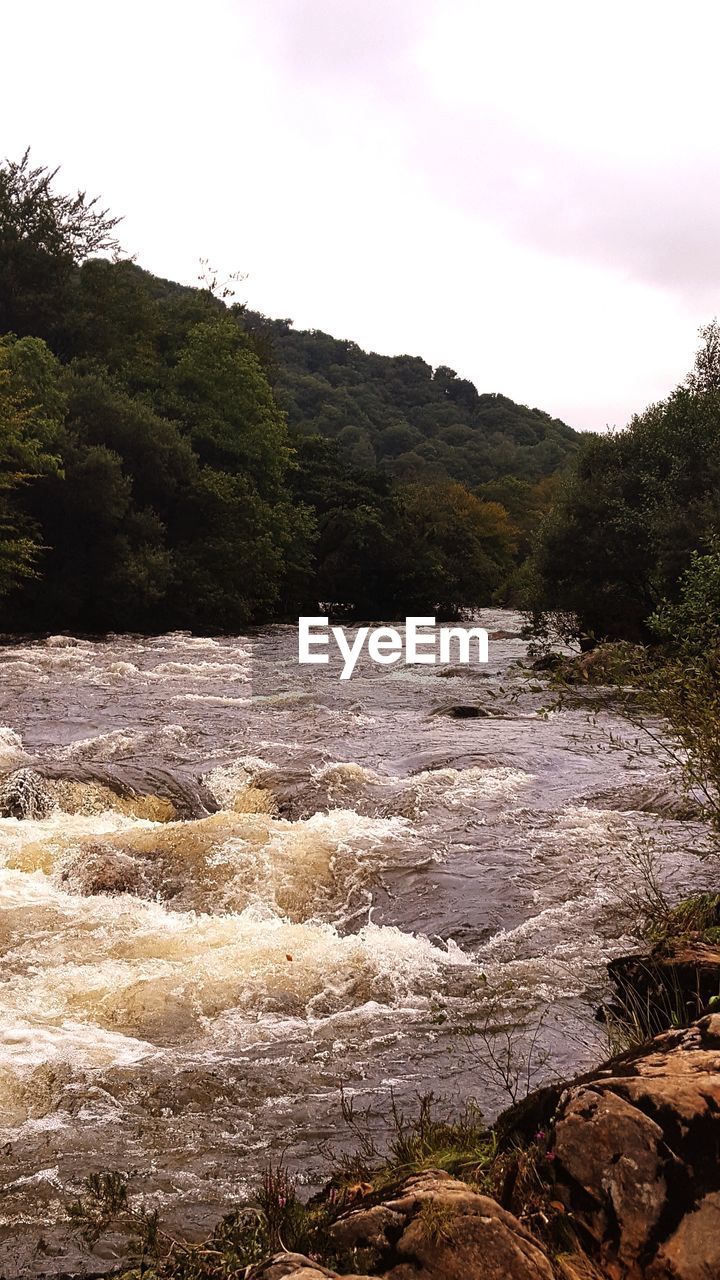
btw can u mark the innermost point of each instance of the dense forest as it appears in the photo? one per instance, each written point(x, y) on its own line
point(168, 459)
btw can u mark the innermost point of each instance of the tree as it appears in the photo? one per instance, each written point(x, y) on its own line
point(44, 234)
point(465, 545)
point(31, 408)
point(685, 677)
point(227, 406)
point(397, 405)
point(147, 470)
point(633, 510)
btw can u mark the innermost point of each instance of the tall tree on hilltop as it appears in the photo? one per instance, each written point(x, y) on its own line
point(44, 234)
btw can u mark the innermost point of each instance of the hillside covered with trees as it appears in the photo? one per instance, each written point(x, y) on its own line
point(401, 415)
point(169, 460)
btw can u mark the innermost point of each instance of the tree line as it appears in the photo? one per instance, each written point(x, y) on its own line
point(168, 459)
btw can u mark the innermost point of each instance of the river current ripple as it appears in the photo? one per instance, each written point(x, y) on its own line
point(332, 882)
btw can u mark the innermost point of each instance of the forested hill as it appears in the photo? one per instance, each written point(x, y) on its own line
point(169, 459)
point(397, 413)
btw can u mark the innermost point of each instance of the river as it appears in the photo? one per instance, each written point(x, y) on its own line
point(359, 886)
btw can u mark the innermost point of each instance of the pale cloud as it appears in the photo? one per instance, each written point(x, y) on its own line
point(528, 192)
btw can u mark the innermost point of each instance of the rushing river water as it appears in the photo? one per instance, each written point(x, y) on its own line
point(310, 882)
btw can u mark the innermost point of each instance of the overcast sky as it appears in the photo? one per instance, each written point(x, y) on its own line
point(527, 191)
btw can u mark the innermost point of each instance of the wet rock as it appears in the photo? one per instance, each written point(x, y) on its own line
point(152, 793)
point(548, 662)
point(88, 798)
point(666, 802)
point(637, 1158)
point(463, 711)
point(25, 794)
point(97, 868)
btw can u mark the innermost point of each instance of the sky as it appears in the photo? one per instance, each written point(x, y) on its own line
point(527, 191)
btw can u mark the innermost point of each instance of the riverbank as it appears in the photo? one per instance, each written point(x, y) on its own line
point(613, 1174)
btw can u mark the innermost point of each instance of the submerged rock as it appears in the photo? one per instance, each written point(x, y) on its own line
point(25, 794)
point(92, 797)
point(665, 801)
point(463, 711)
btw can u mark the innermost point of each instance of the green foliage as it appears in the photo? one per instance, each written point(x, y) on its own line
point(31, 406)
point(691, 624)
point(696, 917)
point(635, 508)
point(684, 680)
point(44, 234)
point(227, 406)
point(640, 1014)
point(274, 1220)
point(416, 424)
point(461, 1145)
point(459, 545)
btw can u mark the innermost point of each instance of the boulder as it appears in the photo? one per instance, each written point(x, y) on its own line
point(676, 982)
point(374, 1228)
point(454, 1233)
point(693, 1250)
point(464, 711)
point(438, 1228)
point(637, 1158)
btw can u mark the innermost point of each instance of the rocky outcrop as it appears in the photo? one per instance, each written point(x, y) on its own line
point(453, 1233)
point(464, 711)
point(637, 1158)
point(631, 1175)
point(438, 1228)
point(435, 1228)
